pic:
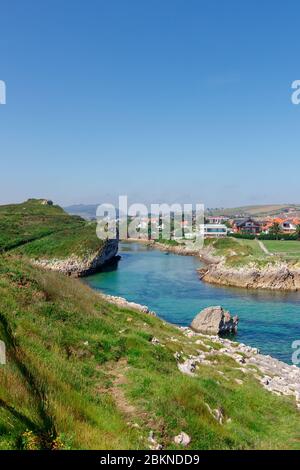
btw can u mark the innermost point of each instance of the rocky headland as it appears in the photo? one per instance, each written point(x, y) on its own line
point(277, 276)
point(82, 266)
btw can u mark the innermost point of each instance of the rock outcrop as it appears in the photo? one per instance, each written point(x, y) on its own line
point(121, 302)
point(179, 249)
point(279, 276)
point(275, 376)
point(182, 439)
point(76, 266)
point(46, 202)
point(215, 321)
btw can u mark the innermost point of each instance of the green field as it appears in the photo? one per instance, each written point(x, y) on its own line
point(286, 249)
point(239, 252)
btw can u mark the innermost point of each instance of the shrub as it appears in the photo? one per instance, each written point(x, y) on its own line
point(245, 235)
point(281, 236)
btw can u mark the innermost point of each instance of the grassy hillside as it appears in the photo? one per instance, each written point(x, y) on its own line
point(84, 374)
point(39, 230)
point(255, 211)
point(238, 252)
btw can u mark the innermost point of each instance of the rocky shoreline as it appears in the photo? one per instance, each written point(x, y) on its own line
point(80, 267)
point(279, 276)
point(274, 276)
point(121, 302)
point(179, 249)
point(275, 376)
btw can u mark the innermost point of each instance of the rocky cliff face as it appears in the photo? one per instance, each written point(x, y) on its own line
point(80, 267)
point(279, 276)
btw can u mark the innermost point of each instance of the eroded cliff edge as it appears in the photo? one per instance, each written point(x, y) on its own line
point(278, 276)
point(80, 267)
point(46, 235)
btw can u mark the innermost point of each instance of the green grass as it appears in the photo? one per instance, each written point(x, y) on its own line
point(168, 242)
point(80, 241)
point(42, 231)
point(82, 373)
point(254, 247)
point(238, 252)
point(286, 249)
point(65, 345)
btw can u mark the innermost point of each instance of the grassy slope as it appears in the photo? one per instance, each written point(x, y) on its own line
point(41, 231)
point(239, 252)
point(257, 210)
point(81, 373)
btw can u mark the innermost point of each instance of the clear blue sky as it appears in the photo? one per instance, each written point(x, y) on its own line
point(162, 100)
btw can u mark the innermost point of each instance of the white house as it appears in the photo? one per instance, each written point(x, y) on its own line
point(216, 219)
point(215, 230)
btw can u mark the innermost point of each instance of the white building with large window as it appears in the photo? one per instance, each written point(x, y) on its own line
point(215, 230)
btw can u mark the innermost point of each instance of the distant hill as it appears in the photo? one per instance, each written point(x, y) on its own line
point(258, 210)
point(87, 211)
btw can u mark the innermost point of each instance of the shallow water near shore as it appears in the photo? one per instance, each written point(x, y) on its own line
point(169, 284)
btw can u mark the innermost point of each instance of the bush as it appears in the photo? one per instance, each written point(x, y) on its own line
point(245, 235)
point(265, 236)
point(280, 236)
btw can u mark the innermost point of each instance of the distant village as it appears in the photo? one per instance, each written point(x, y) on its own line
point(282, 226)
point(285, 224)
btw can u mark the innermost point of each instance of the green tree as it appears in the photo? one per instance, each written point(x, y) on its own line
point(275, 230)
point(298, 232)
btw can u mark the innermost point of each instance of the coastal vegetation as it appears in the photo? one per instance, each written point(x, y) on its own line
point(38, 228)
point(250, 263)
point(289, 250)
point(84, 373)
point(169, 242)
point(238, 251)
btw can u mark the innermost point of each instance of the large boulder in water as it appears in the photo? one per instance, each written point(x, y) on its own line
point(215, 321)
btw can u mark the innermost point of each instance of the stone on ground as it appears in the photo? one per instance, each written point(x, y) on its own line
point(215, 321)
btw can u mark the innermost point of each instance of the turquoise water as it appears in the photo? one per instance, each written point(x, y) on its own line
point(169, 285)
